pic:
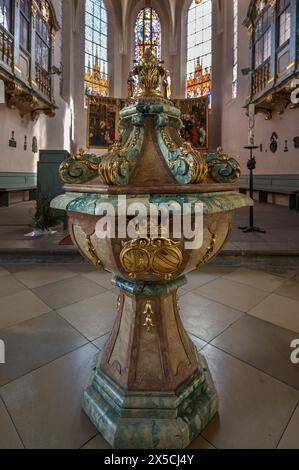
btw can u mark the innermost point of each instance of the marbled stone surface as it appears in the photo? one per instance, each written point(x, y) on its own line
point(150, 421)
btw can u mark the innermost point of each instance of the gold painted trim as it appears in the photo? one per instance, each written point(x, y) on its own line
point(160, 257)
point(118, 304)
point(92, 252)
point(291, 64)
point(149, 317)
point(17, 68)
point(210, 251)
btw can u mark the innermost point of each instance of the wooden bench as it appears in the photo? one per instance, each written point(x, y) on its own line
point(266, 185)
point(10, 195)
point(17, 187)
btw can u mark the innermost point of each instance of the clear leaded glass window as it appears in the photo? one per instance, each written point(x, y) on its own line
point(284, 21)
point(96, 49)
point(262, 36)
point(25, 15)
point(199, 49)
point(6, 14)
point(42, 42)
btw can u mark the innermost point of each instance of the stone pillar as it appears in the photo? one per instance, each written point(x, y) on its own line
point(151, 389)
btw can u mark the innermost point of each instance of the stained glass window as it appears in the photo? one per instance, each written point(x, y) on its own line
point(235, 49)
point(199, 49)
point(96, 50)
point(147, 33)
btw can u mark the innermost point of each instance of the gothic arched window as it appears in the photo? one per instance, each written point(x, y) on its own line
point(96, 49)
point(147, 33)
point(199, 49)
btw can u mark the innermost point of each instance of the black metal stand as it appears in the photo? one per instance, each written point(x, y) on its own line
point(251, 164)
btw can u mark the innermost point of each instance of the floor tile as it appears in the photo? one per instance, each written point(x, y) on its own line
point(82, 268)
point(35, 342)
point(200, 443)
point(199, 343)
point(279, 310)
point(3, 271)
point(256, 278)
point(45, 405)
point(263, 345)
point(217, 271)
point(9, 438)
point(39, 276)
point(289, 289)
point(254, 407)
point(18, 268)
point(103, 278)
point(98, 442)
point(20, 307)
point(67, 291)
point(197, 279)
point(233, 294)
point(101, 341)
point(204, 318)
point(281, 271)
point(290, 438)
point(9, 285)
point(92, 317)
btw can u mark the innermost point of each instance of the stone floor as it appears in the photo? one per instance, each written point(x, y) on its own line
point(281, 225)
point(54, 318)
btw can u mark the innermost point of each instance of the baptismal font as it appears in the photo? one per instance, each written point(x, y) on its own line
point(150, 388)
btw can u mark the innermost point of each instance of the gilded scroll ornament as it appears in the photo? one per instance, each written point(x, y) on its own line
point(199, 169)
point(114, 166)
point(92, 252)
point(186, 163)
point(79, 168)
point(209, 251)
point(160, 257)
point(149, 317)
point(222, 168)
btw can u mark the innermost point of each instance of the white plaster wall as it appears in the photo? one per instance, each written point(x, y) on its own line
point(51, 133)
point(235, 121)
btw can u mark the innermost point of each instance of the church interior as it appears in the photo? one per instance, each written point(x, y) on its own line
point(118, 343)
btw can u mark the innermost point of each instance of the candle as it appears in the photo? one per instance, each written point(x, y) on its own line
point(251, 137)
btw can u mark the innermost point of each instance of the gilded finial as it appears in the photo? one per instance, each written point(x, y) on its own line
point(150, 72)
